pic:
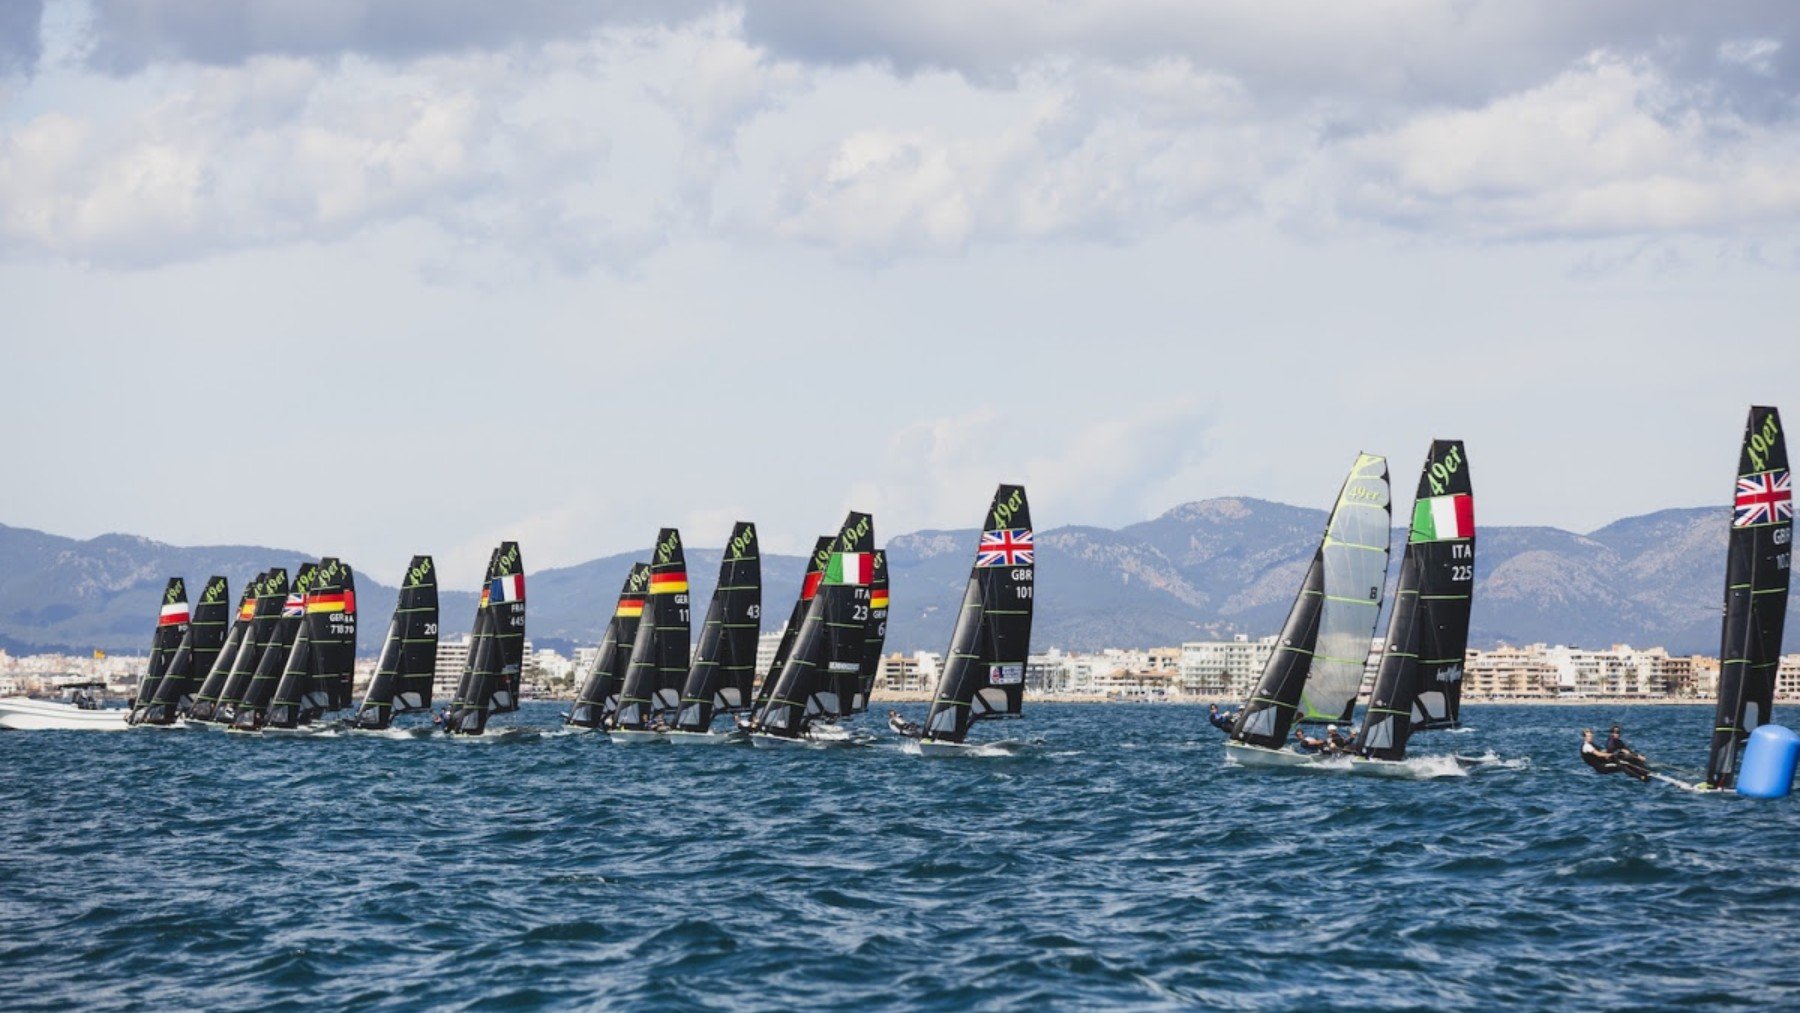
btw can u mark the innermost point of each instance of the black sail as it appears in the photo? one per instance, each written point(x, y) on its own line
point(875, 636)
point(321, 664)
point(506, 598)
point(1756, 592)
point(212, 687)
point(403, 676)
point(193, 656)
point(272, 660)
point(1419, 684)
point(171, 626)
point(723, 675)
point(598, 698)
point(466, 690)
point(809, 586)
point(984, 670)
point(481, 671)
point(271, 594)
point(659, 655)
point(827, 653)
point(1317, 667)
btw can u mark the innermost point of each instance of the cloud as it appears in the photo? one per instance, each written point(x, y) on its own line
point(21, 24)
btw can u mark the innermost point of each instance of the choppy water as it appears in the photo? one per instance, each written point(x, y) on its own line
point(1119, 864)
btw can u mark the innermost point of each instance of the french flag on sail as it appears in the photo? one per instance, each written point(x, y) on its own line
point(507, 587)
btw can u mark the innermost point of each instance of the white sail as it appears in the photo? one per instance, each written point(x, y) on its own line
point(1355, 553)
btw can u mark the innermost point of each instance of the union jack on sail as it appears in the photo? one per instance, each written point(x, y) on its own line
point(1005, 547)
point(1763, 499)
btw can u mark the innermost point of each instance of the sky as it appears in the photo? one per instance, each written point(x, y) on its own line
point(376, 277)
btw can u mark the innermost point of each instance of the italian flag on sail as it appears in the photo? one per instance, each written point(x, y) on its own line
point(850, 568)
point(1442, 518)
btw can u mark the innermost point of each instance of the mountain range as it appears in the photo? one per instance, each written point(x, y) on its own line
point(1203, 570)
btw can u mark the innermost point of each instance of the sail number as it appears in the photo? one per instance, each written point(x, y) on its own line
point(431, 629)
point(1023, 590)
point(860, 613)
point(1462, 574)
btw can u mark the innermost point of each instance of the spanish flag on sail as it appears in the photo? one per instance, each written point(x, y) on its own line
point(668, 583)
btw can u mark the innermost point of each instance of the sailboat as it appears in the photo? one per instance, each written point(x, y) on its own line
point(720, 683)
point(212, 687)
point(809, 586)
point(193, 659)
point(659, 655)
point(984, 670)
point(874, 637)
point(1419, 683)
point(598, 698)
point(824, 667)
point(289, 641)
point(171, 627)
point(319, 675)
point(271, 596)
point(1756, 593)
point(491, 678)
point(403, 676)
point(1317, 667)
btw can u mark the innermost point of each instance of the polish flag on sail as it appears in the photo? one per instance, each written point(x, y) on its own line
point(173, 614)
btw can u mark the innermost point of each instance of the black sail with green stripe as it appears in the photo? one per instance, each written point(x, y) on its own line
point(212, 687)
point(171, 627)
point(1317, 666)
point(1419, 684)
point(194, 656)
point(506, 597)
point(288, 643)
point(408, 664)
point(875, 637)
point(271, 594)
point(809, 586)
point(321, 665)
point(598, 698)
point(659, 655)
point(723, 675)
point(827, 652)
point(1756, 592)
point(984, 670)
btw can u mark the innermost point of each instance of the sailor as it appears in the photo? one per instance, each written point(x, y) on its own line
point(901, 726)
point(1307, 743)
point(1222, 720)
point(1616, 745)
point(1607, 762)
point(1336, 743)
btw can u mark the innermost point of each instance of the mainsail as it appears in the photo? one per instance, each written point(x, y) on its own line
point(193, 657)
point(875, 636)
point(827, 653)
point(1317, 667)
point(271, 593)
point(321, 665)
point(206, 699)
point(724, 669)
point(1419, 684)
point(984, 670)
point(289, 642)
point(403, 676)
point(599, 695)
point(491, 679)
point(809, 586)
point(659, 655)
point(171, 626)
point(1756, 592)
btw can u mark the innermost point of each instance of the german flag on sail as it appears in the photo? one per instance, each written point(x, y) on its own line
point(173, 614)
point(331, 601)
point(668, 583)
point(630, 607)
point(878, 598)
point(854, 568)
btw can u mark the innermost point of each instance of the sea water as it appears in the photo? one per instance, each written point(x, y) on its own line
point(1120, 862)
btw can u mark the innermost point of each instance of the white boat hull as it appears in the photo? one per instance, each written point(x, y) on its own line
point(25, 715)
point(634, 736)
point(1246, 755)
point(762, 740)
point(1004, 747)
point(681, 738)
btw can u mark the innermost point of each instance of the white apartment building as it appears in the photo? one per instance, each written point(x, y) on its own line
point(452, 655)
point(1223, 669)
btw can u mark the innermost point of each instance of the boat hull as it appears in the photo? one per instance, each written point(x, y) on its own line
point(763, 740)
point(681, 738)
point(1261, 756)
point(25, 715)
point(634, 736)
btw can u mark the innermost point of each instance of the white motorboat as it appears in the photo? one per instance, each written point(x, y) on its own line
point(27, 715)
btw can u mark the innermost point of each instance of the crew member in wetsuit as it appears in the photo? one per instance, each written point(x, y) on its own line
point(1222, 720)
point(1616, 746)
point(901, 726)
point(1607, 762)
point(1307, 743)
point(1336, 743)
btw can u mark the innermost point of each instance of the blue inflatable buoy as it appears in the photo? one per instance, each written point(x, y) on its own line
point(1767, 769)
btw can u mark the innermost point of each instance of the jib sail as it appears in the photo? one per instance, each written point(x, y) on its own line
point(598, 699)
point(1756, 592)
point(659, 655)
point(1419, 684)
point(724, 671)
point(403, 676)
point(984, 670)
point(1317, 666)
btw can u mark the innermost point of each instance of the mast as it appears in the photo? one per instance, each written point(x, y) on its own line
point(1317, 668)
point(193, 656)
point(724, 669)
point(984, 670)
point(408, 662)
point(809, 586)
point(599, 695)
point(827, 653)
point(206, 699)
point(1756, 592)
point(874, 636)
point(171, 626)
point(321, 664)
point(288, 642)
point(659, 655)
point(271, 593)
point(1419, 684)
